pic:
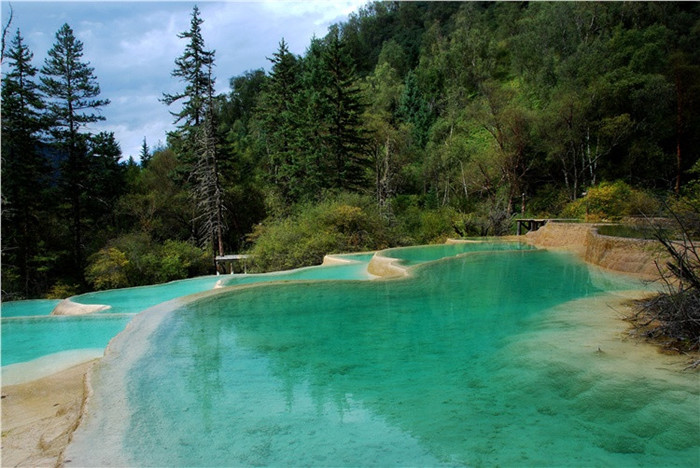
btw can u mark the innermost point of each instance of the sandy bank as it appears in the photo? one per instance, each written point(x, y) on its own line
point(38, 417)
point(637, 257)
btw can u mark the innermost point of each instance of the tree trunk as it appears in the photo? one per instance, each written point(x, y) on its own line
point(679, 131)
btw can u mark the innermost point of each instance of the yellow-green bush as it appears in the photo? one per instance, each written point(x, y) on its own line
point(135, 260)
point(61, 290)
point(107, 269)
point(346, 223)
point(610, 201)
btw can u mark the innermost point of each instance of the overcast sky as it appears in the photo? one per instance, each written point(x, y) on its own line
point(133, 45)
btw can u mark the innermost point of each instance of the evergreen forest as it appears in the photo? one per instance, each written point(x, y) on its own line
point(408, 123)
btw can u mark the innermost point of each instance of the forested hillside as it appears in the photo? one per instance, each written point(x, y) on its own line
point(409, 122)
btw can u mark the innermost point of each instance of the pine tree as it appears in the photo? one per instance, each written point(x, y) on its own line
point(21, 99)
point(105, 179)
point(197, 138)
point(314, 110)
point(414, 110)
point(24, 170)
point(145, 154)
point(71, 89)
point(191, 68)
point(346, 138)
point(280, 121)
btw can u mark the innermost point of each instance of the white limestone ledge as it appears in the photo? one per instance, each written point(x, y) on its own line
point(386, 267)
point(68, 307)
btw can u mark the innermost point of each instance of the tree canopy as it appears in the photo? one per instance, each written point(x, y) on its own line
point(430, 118)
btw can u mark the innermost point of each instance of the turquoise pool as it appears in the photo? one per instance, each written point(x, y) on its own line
point(509, 358)
point(135, 300)
point(29, 338)
point(28, 308)
point(29, 332)
point(411, 256)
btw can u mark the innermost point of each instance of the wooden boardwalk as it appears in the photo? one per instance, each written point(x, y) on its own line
point(533, 224)
point(229, 260)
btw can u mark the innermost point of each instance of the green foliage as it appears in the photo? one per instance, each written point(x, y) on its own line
point(414, 110)
point(62, 290)
point(71, 90)
point(548, 201)
point(278, 117)
point(107, 269)
point(611, 201)
point(425, 226)
point(192, 68)
point(157, 204)
point(135, 260)
point(24, 171)
point(346, 223)
point(182, 260)
point(445, 116)
point(435, 226)
point(345, 134)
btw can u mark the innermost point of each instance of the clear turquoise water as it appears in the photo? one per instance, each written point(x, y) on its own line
point(25, 339)
point(134, 300)
point(421, 254)
point(476, 360)
point(352, 271)
point(28, 308)
point(358, 257)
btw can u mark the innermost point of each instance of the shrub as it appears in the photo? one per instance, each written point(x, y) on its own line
point(436, 226)
point(611, 201)
point(107, 269)
point(344, 223)
point(289, 243)
point(472, 224)
point(135, 260)
point(686, 209)
point(61, 290)
point(420, 225)
point(183, 260)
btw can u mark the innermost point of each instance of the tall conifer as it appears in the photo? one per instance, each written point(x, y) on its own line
point(281, 120)
point(72, 90)
point(346, 138)
point(191, 68)
point(197, 140)
point(145, 154)
point(24, 170)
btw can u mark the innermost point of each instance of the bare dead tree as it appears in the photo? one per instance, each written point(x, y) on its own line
point(207, 192)
point(5, 29)
point(673, 315)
